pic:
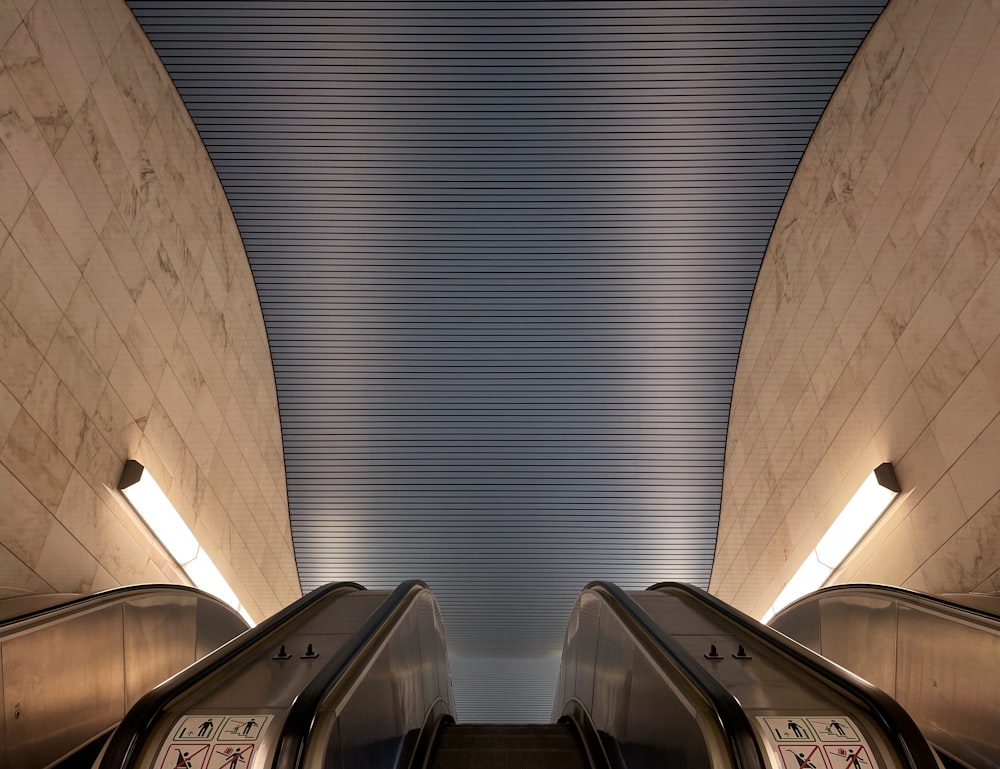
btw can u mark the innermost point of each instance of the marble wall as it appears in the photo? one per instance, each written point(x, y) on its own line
point(129, 321)
point(873, 331)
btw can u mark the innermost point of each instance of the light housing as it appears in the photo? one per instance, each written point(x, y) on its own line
point(146, 497)
point(867, 505)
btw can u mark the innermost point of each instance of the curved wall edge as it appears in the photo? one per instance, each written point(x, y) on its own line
point(873, 331)
point(129, 321)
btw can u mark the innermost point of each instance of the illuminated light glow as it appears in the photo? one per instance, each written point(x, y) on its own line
point(867, 505)
point(148, 500)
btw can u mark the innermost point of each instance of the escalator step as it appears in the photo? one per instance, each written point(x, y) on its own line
point(547, 746)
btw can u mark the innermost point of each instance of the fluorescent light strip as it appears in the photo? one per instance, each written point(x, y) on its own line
point(865, 508)
point(155, 509)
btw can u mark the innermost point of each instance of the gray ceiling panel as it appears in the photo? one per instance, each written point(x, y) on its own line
point(505, 252)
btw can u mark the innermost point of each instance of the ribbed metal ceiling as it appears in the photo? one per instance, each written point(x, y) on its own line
point(505, 252)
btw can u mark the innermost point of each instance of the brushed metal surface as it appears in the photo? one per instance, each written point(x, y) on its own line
point(65, 685)
point(365, 724)
point(655, 721)
point(159, 639)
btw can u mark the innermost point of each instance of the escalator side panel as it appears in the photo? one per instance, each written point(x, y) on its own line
point(70, 670)
point(65, 685)
point(371, 706)
point(937, 659)
point(648, 717)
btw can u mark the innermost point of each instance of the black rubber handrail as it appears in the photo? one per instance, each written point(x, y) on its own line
point(123, 748)
point(744, 753)
point(346, 663)
point(97, 600)
point(912, 597)
point(900, 730)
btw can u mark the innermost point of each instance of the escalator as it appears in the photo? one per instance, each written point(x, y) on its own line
point(103, 652)
point(936, 657)
point(669, 677)
point(528, 746)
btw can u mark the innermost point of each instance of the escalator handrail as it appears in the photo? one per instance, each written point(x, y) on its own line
point(904, 595)
point(900, 730)
point(123, 748)
point(348, 661)
point(742, 747)
point(87, 603)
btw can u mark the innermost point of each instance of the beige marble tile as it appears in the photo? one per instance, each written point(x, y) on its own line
point(970, 40)
point(35, 460)
point(130, 90)
point(14, 192)
point(902, 426)
point(103, 24)
point(64, 563)
point(925, 329)
point(25, 521)
point(20, 135)
point(945, 369)
point(80, 35)
point(66, 214)
point(19, 359)
point(968, 557)
point(973, 472)
point(923, 136)
point(914, 281)
point(10, 18)
point(144, 350)
point(115, 114)
point(76, 162)
point(981, 316)
point(131, 386)
point(57, 55)
point(109, 289)
point(155, 313)
point(979, 97)
point(101, 146)
point(96, 458)
point(76, 367)
point(974, 256)
point(116, 425)
point(162, 433)
point(121, 249)
point(22, 61)
point(9, 408)
point(965, 415)
point(94, 327)
point(56, 411)
point(44, 250)
point(936, 42)
point(25, 297)
point(935, 180)
point(175, 403)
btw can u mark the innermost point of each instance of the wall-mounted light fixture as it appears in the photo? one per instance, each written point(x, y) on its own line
point(878, 491)
point(148, 500)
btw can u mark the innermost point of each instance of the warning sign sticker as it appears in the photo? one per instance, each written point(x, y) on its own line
point(788, 729)
point(184, 756)
point(213, 742)
point(198, 728)
point(799, 756)
point(231, 756)
point(242, 727)
point(834, 729)
point(817, 742)
point(851, 756)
